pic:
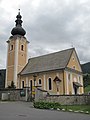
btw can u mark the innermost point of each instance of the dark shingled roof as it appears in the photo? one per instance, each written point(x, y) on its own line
point(53, 61)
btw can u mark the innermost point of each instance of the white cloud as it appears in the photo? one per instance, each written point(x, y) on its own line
point(51, 25)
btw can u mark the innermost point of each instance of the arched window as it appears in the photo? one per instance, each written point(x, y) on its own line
point(39, 82)
point(11, 47)
point(22, 47)
point(50, 83)
point(22, 84)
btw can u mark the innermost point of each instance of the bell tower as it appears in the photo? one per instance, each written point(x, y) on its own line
point(16, 53)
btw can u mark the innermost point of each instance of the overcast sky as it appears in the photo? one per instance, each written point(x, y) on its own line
point(51, 25)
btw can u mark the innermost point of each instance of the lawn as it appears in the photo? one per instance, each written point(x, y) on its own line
point(57, 106)
point(79, 108)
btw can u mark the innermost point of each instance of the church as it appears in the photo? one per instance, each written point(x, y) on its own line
point(58, 73)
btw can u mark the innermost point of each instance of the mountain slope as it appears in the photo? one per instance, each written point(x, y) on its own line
point(86, 68)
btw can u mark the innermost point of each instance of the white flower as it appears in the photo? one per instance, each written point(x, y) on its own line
point(58, 109)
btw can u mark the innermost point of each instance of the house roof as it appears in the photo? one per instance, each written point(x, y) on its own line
point(53, 61)
point(77, 84)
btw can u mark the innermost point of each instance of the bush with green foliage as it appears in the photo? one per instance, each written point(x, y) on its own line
point(86, 80)
point(47, 105)
point(55, 105)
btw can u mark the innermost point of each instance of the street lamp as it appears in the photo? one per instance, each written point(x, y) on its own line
point(34, 76)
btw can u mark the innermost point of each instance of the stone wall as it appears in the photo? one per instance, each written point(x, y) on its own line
point(13, 94)
point(40, 94)
point(64, 99)
point(68, 99)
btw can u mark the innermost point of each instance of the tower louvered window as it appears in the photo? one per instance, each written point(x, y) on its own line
point(11, 47)
point(22, 47)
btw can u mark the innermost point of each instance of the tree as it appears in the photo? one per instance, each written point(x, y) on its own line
point(86, 80)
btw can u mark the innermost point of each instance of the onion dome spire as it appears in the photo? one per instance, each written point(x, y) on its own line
point(18, 30)
point(18, 21)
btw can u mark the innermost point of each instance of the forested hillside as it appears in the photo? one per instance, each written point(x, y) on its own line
point(86, 76)
point(86, 68)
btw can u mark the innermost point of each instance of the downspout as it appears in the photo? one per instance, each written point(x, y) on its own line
point(63, 84)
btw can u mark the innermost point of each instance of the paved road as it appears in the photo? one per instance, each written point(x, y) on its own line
point(25, 111)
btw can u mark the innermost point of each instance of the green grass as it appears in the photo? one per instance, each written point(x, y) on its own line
point(77, 108)
point(87, 89)
point(50, 105)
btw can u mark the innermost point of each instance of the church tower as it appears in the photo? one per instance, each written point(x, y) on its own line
point(16, 53)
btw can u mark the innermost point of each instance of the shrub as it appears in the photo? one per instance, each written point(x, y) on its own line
point(46, 105)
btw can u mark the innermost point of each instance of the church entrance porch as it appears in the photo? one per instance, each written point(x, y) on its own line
point(76, 86)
